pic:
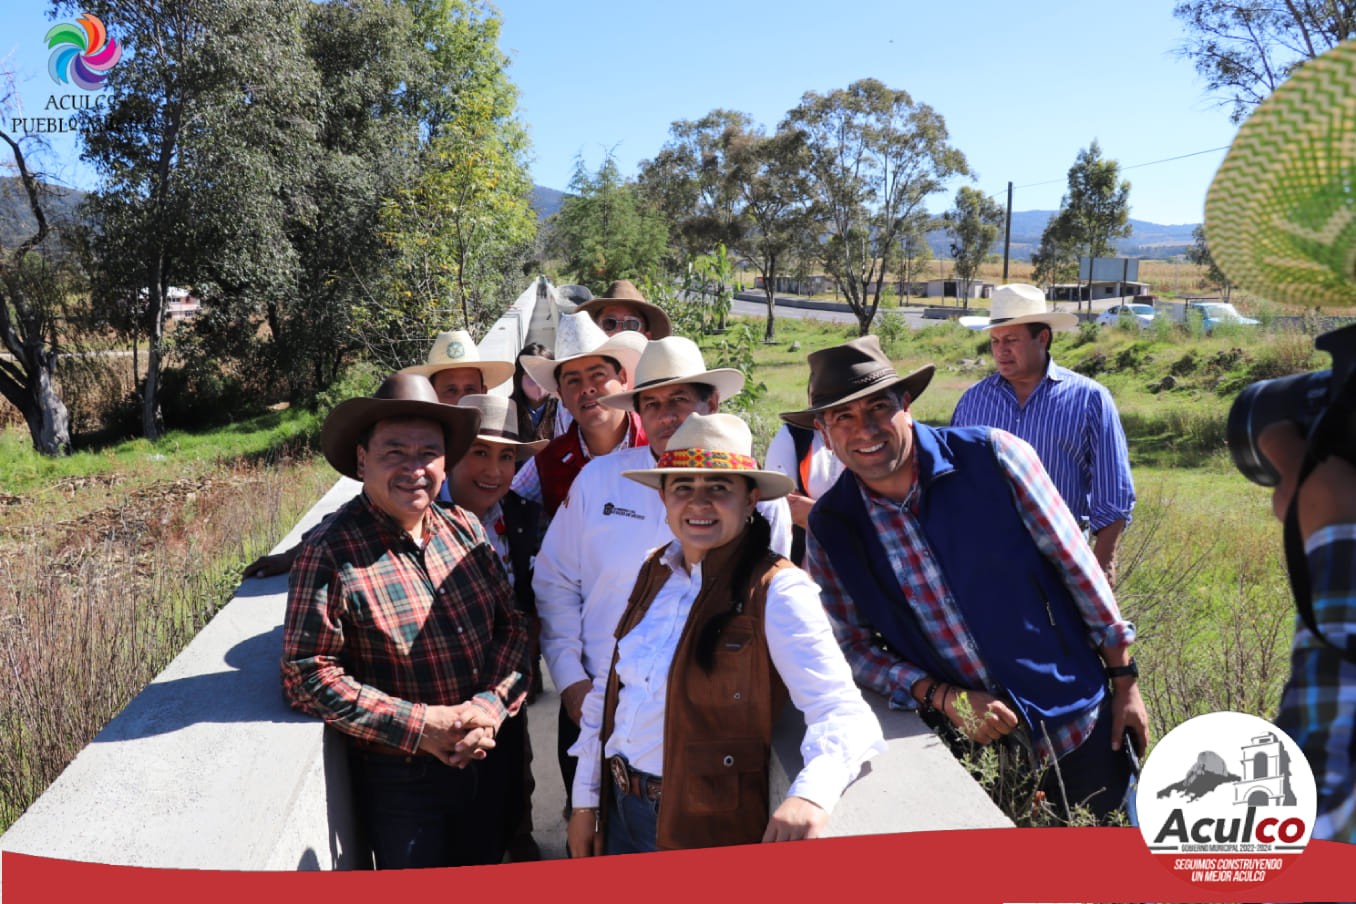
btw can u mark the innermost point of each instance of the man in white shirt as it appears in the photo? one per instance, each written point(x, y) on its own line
point(600, 536)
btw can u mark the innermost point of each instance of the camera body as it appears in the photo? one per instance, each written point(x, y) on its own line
point(1322, 403)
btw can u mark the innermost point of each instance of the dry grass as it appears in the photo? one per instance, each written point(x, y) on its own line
point(103, 580)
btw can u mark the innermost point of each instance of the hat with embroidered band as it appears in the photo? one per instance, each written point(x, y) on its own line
point(1020, 303)
point(623, 292)
point(399, 395)
point(672, 361)
point(577, 336)
point(713, 444)
point(455, 349)
point(1280, 216)
point(499, 424)
point(851, 371)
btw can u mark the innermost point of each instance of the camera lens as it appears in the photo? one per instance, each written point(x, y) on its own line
point(1299, 398)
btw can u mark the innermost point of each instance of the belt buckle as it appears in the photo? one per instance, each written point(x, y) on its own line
point(620, 774)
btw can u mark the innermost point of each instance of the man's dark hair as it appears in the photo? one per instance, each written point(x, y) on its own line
point(616, 365)
point(1035, 330)
point(703, 392)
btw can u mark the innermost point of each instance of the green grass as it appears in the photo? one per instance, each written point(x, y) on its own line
point(22, 470)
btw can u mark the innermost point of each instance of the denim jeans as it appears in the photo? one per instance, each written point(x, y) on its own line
point(1094, 774)
point(632, 824)
point(417, 812)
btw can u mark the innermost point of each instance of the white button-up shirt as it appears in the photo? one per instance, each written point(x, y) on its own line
point(591, 556)
point(841, 732)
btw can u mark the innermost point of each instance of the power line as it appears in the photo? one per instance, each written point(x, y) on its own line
point(1134, 166)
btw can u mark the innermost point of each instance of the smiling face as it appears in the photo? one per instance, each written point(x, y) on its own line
point(873, 437)
point(664, 409)
point(482, 476)
point(402, 466)
point(455, 382)
point(581, 383)
point(706, 511)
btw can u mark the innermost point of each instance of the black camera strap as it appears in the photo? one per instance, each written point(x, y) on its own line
point(1296, 562)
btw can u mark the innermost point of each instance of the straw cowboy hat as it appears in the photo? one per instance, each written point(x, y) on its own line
point(499, 424)
point(1020, 303)
point(851, 371)
point(623, 292)
point(669, 362)
point(1278, 217)
point(455, 348)
point(713, 444)
point(577, 336)
point(399, 395)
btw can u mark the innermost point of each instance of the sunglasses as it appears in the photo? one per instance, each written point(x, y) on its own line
point(609, 324)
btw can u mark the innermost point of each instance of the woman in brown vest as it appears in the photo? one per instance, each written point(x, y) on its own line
point(719, 631)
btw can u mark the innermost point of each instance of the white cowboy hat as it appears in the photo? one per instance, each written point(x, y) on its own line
point(1020, 303)
point(499, 424)
point(577, 336)
point(713, 444)
point(669, 362)
point(455, 348)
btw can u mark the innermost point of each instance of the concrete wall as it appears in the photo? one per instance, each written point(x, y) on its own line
point(208, 768)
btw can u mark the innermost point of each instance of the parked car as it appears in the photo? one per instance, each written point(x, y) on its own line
point(1213, 313)
point(1126, 314)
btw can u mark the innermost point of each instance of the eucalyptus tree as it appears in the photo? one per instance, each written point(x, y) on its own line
point(1092, 215)
point(463, 226)
point(973, 223)
point(1245, 48)
point(874, 157)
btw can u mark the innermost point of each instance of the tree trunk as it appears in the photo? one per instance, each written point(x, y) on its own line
point(151, 425)
point(51, 429)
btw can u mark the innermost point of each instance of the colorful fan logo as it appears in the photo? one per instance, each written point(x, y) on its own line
point(82, 52)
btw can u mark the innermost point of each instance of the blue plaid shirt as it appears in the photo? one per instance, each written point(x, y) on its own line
point(1057, 536)
point(1318, 706)
point(1073, 425)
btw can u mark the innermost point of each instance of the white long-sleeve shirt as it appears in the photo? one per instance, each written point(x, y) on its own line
point(591, 556)
point(841, 732)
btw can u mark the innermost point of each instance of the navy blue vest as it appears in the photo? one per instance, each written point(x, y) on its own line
point(1030, 635)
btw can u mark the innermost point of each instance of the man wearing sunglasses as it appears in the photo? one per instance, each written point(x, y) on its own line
point(622, 308)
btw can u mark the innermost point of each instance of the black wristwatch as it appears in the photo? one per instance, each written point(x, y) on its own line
point(1120, 671)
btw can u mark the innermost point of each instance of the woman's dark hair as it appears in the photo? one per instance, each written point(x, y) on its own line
point(752, 550)
point(532, 348)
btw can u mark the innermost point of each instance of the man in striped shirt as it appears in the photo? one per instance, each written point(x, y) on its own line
point(1070, 420)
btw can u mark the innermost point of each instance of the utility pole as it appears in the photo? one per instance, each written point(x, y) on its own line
point(1007, 235)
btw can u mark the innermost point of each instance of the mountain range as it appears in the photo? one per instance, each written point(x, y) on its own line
point(1153, 240)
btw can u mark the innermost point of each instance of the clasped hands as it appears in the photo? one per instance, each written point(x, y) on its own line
point(458, 734)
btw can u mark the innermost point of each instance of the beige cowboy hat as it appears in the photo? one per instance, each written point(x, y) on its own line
point(399, 395)
point(577, 336)
point(499, 424)
point(455, 348)
point(623, 292)
point(851, 371)
point(713, 444)
point(1020, 303)
point(669, 362)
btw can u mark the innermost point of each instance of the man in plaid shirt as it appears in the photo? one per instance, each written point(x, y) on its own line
point(959, 584)
point(401, 632)
point(1318, 706)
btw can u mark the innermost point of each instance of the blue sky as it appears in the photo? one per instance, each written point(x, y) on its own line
point(1023, 87)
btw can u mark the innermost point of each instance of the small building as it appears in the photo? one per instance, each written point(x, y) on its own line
point(1097, 290)
point(951, 288)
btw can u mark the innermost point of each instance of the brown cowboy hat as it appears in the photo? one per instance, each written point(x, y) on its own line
point(399, 395)
point(851, 371)
point(623, 292)
point(499, 424)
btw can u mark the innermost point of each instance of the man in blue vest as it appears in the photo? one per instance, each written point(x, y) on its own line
point(961, 586)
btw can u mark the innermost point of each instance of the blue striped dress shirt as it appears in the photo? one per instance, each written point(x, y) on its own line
point(1072, 423)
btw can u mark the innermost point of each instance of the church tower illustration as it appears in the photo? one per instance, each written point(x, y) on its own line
point(1266, 774)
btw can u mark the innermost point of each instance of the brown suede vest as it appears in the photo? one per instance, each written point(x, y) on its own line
point(717, 725)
